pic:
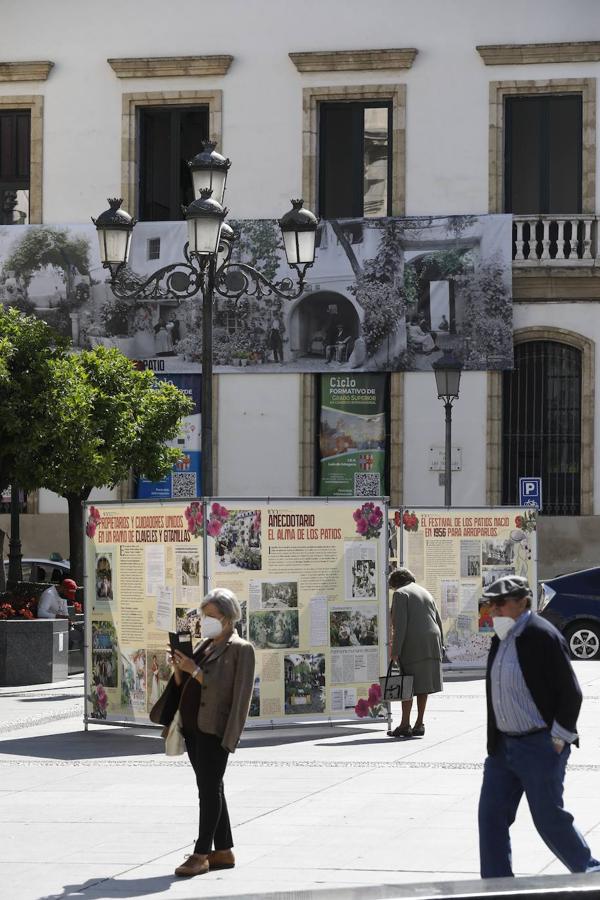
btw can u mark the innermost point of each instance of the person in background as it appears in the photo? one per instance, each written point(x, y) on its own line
point(533, 700)
point(53, 601)
point(214, 706)
point(417, 646)
point(276, 340)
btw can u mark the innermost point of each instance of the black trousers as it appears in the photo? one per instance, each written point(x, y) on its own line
point(209, 761)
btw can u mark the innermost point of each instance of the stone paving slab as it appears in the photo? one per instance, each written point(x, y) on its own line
point(104, 813)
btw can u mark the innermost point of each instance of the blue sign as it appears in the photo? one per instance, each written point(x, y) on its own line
point(530, 492)
point(184, 480)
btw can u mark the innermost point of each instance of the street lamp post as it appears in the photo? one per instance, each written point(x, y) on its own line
point(447, 377)
point(207, 267)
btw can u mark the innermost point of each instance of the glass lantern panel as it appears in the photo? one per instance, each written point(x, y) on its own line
point(114, 244)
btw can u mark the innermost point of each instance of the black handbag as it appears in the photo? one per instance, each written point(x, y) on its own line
point(396, 685)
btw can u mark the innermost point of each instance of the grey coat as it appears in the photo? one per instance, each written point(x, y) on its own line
point(417, 627)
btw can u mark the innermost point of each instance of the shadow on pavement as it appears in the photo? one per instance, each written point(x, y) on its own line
point(139, 887)
point(111, 742)
point(276, 739)
point(52, 699)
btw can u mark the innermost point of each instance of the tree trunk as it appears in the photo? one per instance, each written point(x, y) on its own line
point(346, 247)
point(76, 546)
point(15, 570)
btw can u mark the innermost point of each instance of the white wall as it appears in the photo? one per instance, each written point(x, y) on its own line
point(258, 435)
point(52, 503)
point(446, 169)
point(424, 418)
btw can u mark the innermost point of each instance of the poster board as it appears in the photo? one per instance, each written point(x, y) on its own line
point(143, 567)
point(454, 553)
point(310, 575)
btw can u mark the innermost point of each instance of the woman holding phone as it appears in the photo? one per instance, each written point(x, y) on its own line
point(218, 683)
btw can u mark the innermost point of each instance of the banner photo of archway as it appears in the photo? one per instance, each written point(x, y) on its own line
point(310, 576)
point(389, 294)
point(454, 553)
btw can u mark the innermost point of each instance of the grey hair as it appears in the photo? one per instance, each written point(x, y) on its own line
point(400, 578)
point(226, 602)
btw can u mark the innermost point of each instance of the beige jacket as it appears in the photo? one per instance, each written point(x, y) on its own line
point(228, 679)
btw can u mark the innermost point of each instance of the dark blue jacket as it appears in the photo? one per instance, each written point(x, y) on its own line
point(544, 660)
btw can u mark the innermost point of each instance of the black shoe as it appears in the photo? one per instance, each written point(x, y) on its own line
point(401, 732)
point(418, 731)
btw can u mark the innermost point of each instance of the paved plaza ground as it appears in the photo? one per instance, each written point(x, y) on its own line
point(104, 813)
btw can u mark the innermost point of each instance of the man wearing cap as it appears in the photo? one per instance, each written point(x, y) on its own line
point(533, 700)
point(53, 601)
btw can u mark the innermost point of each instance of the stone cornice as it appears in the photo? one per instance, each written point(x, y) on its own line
point(165, 66)
point(37, 70)
point(528, 54)
point(353, 60)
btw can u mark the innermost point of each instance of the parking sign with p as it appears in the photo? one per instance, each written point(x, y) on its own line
point(530, 492)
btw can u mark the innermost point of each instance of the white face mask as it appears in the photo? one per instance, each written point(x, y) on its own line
point(502, 625)
point(210, 627)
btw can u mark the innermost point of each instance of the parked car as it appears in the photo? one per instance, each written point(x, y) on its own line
point(43, 570)
point(572, 603)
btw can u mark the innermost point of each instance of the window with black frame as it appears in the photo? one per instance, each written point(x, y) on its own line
point(15, 148)
point(355, 160)
point(541, 425)
point(543, 154)
point(169, 136)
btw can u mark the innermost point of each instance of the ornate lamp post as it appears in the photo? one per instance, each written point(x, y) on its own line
point(447, 377)
point(207, 268)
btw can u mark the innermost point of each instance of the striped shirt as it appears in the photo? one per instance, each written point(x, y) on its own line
point(514, 707)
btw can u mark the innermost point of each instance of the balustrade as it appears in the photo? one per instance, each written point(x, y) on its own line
point(559, 240)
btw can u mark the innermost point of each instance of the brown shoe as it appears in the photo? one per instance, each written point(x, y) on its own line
point(221, 859)
point(196, 864)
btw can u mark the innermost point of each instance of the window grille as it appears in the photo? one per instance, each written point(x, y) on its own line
point(154, 248)
point(541, 428)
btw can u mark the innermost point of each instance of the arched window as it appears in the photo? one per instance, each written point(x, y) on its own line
point(541, 425)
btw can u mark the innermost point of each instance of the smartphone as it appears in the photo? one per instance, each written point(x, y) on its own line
point(181, 641)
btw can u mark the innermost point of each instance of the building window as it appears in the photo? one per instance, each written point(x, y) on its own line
point(541, 424)
point(154, 248)
point(168, 137)
point(543, 153)
point(15, 164)
point(355, 159)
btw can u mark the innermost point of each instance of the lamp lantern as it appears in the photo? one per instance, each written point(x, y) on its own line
point(114, 227)
point(209, 171)
point(447, 376)
point(299, 230)
point(204, 220)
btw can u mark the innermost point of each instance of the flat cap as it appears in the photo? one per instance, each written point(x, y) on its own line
point(506, 586)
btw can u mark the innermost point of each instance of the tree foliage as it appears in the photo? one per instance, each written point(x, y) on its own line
point(113, 418)
point(28, 349)
point(46, 246)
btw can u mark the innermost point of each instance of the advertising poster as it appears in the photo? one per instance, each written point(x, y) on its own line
point(143, 577)
point(313, 575)
point(184, 479)
point(454, 554)
point(352, 436)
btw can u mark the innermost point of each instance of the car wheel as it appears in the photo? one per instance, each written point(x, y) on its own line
point(583, 639)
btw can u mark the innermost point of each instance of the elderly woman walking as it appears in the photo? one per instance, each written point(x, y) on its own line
point(213, 692)
point(417, 646)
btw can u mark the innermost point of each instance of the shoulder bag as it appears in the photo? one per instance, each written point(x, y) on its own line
point(396, 685)
point(173, 733)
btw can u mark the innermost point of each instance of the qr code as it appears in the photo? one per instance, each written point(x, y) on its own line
point(367, 484)
point(185, 484)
